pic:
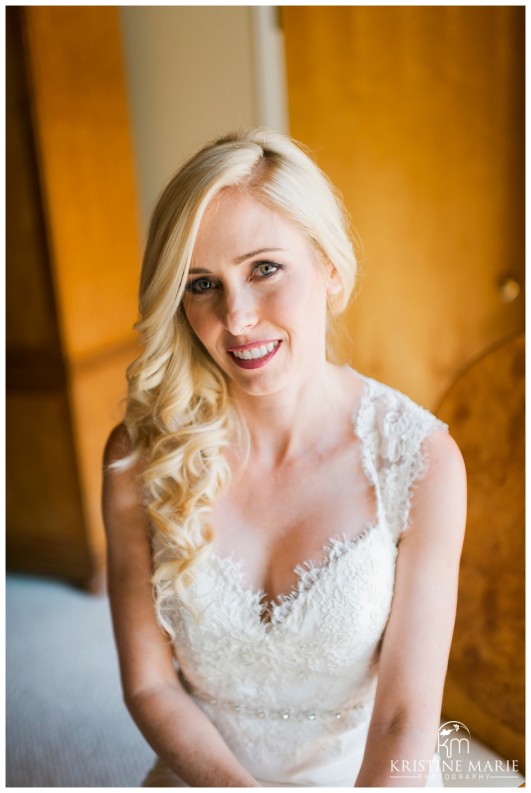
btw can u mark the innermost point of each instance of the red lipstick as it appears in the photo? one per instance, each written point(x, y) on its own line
point(253, 363)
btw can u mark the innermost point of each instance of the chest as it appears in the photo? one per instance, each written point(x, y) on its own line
point(328, 629)
point(275, 520)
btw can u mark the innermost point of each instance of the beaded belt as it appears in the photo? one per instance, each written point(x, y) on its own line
point(284, 714)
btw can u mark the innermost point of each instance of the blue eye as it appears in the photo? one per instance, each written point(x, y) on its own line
point(200, 286)
point(267, 269)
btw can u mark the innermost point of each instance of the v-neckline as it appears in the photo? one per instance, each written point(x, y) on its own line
point(281, 605)
point(307, 573)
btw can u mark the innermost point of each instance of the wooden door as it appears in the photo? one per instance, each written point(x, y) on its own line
point(416, 114)
point(72, 263)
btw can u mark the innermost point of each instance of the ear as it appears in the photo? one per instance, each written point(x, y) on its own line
point(334, 284)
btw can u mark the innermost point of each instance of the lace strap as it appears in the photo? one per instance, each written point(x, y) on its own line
point(393, 429)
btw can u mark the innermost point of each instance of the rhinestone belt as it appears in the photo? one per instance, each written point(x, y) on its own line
point(283, 714)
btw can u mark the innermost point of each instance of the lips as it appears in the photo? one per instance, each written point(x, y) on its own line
point(254, 354)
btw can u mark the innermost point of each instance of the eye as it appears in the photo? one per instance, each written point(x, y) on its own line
point(266, 269)
point(200, 285)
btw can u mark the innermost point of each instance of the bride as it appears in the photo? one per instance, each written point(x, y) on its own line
point(283, 533)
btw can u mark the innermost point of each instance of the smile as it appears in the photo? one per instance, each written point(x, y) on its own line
point(252, 357)
point(255, 352)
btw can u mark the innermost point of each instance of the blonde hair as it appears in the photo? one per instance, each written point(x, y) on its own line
point(179, 416)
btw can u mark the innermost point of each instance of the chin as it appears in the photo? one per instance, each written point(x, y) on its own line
point(259, 386)
point(257, 382)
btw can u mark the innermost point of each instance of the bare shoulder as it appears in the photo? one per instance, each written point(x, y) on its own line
point(117, 449)
point(118, 446)
point(444, 456)
point(438, 504)
point(123, 493)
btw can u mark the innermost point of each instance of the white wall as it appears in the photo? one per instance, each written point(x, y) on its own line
point(194, 73)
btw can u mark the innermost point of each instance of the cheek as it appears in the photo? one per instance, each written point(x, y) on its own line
point(304, 302)
point(200, 320)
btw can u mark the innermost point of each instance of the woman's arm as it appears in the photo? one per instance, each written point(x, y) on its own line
point(171, 722)
point(416, 643)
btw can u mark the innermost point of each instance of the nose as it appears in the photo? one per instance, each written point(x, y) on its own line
point(239, 311)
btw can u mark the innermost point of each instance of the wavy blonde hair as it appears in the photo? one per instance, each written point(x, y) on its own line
point(179, 416)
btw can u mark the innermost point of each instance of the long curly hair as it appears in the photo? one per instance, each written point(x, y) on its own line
point(179, 416)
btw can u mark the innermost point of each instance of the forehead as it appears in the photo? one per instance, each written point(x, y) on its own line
point(236, 223)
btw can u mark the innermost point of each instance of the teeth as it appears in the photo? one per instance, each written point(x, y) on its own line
point(255, 352)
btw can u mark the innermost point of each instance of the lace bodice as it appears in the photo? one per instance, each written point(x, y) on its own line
point(292, 696)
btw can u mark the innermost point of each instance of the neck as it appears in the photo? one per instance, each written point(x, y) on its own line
point(288, 423)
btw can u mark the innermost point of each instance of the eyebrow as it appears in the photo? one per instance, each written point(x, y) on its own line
point(237, 260)
point(250, 255)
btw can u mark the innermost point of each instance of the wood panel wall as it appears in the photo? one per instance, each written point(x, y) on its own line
point(416, 114)
point(73, 262)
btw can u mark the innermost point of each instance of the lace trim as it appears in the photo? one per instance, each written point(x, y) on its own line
point(308, 574)
point(392, 430)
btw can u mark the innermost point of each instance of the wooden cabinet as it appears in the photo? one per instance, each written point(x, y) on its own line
point(72, 271)
point(485, 684)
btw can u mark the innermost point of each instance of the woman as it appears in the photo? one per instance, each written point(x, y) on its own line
point(299, 524)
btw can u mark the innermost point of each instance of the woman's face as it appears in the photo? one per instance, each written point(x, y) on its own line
point(256, 295)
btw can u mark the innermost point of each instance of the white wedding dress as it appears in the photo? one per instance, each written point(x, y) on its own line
point(292, 696)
